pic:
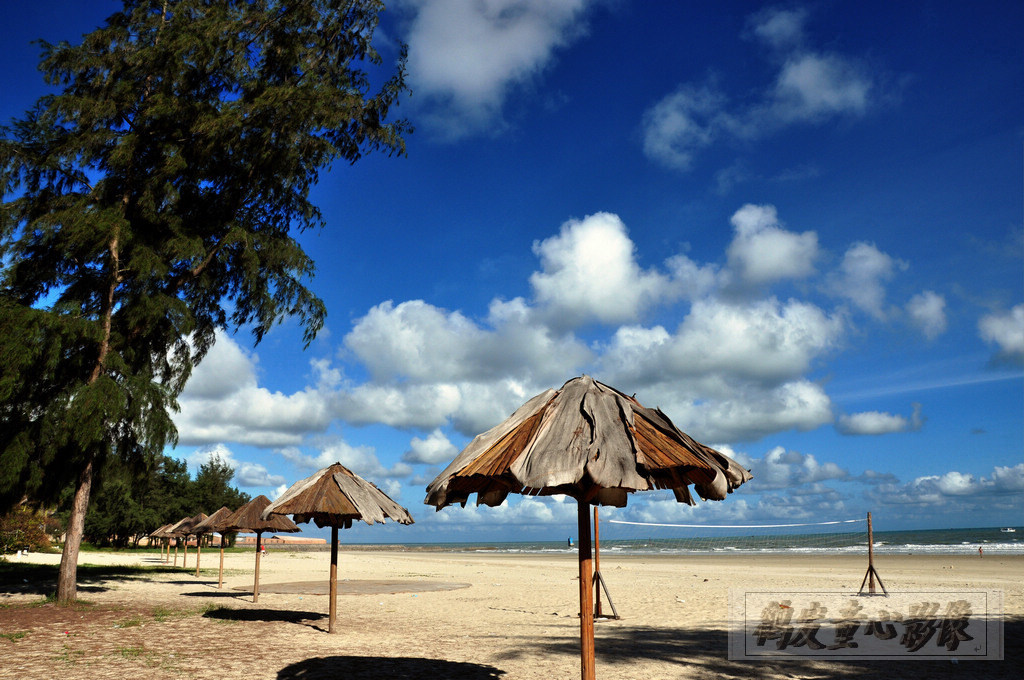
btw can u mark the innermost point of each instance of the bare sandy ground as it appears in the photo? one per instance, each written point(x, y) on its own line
point(516, 618)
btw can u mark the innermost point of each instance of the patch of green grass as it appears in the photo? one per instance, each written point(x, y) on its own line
point(14, 636)
point(131, 652)
point(69, 656)
point(129, 623)
point(161, 614)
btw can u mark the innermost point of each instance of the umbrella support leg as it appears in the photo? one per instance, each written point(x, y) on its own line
point(220, 576)
point(199, 551)
point(601, 584)
point(586, 594)
point(333, 607)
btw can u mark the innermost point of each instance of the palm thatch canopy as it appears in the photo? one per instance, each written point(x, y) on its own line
point(589, 441)
point(160, 532)
point(190, 526)
point(334, 497)
point(249, 518)
point(177, 530)
point(215, 522)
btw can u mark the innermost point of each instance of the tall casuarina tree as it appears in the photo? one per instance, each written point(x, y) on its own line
point(152, 199)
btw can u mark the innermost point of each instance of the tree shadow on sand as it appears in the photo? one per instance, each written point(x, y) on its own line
point(376, 667)
point(286, 616)
point(705, 653)
point(41, 579)
point(216, 594)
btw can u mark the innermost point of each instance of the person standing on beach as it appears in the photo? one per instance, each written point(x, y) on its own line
point(980, 553)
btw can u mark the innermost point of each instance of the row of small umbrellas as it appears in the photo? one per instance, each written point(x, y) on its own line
point(586, 440)
point(224, 521)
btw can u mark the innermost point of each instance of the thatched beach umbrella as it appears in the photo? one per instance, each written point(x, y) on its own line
point(249, 518)
point(215, 523)
point(164, 534)
point(184, 529)
point(335, 497)
point(591, 442)
point(159, 535)
point(193, 530)
point(175, 533)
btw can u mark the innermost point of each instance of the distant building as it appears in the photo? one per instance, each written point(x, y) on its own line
point(280, 540)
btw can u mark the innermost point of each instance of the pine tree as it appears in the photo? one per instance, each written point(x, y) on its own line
point(212, 488)
point(152, 200)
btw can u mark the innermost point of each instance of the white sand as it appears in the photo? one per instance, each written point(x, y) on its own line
point(518, 618)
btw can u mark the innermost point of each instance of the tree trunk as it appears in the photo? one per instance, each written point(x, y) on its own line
point(68, 573)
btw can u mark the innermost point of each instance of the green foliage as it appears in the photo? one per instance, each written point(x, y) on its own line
point(131, 501)
point(24, 528)
point(151, 200)
point(213, 490)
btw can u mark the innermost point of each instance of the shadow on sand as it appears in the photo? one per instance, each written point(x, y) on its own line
point(392, 668)
point(229, 614)
point(704, 653)
point(215, 594)
point(41, 579)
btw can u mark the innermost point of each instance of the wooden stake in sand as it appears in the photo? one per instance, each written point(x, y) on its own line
point(871, 574)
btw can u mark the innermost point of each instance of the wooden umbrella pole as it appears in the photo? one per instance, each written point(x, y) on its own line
point(586, 594)
point(220, 575)
point(597, 561)
point(256, 583)
point(184, 555)
point(175, 552)
point(333, 606)
point(199, 552)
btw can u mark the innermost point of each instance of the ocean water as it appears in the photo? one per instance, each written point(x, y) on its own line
point(644, 540)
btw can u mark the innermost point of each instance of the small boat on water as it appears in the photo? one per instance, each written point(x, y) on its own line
point(1008, 530)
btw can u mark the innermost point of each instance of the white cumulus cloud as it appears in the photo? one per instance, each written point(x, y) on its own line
point(810, 87)
point(1006, 331)
point(433, 449)
point(681, 124)
point(589, 271)
point(766, 341)
point(862, 276)
point(762, 251)
point(223, 401)
point(876, 422)
point(927, 311)
point(941, 490)
point(465, 58)
point(254, 474)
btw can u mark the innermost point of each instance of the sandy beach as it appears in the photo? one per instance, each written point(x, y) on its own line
point(411, 614)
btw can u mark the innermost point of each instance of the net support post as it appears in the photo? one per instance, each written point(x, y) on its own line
point(871, 574)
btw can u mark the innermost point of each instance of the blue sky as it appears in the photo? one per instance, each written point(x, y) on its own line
point(795, 228)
